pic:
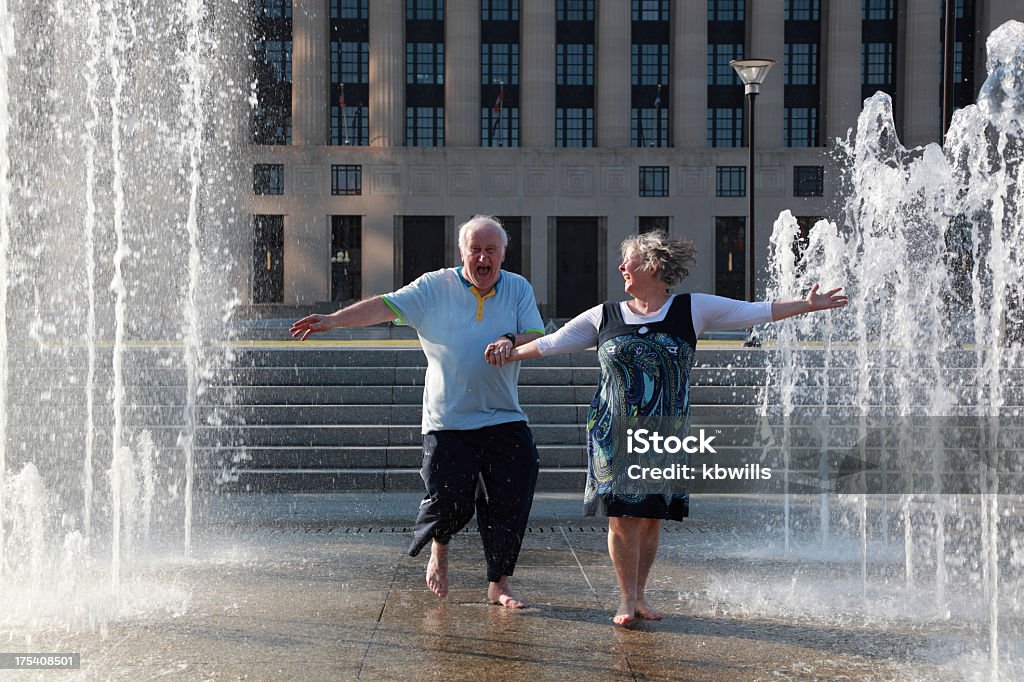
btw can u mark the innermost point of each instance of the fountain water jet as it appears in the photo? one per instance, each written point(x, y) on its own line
point(101, 405)
point(930, 247)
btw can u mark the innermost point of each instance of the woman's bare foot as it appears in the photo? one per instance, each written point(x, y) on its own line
point(645, 610)
point(625, 615)
point(437, 569)
point(498, 593)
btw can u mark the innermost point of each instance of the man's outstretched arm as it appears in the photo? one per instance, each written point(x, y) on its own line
point(362, 314)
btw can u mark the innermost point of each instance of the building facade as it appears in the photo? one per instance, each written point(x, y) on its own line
point(383, 124)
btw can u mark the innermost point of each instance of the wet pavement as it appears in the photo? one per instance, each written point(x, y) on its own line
point(318, 587)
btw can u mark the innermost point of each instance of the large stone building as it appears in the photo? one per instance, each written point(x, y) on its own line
point(383, 124)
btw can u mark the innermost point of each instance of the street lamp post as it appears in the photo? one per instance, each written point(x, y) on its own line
point(752, 72)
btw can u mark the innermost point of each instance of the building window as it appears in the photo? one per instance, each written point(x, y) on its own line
point(499, 126)
point(574, 64)
point(499, 63)
point(801, 64)
point(808, 181)
point(268, 178)
point(499, 10)
point(350, 9)
point(650, 127)
point(574, 73)
point(346, 179)
point(878, 10)
point(350, 125)
point(877, 63)
point(350, 72)
point(725, 127)
point(574, 10)
point(272, 119)
point(725, 10)
point(350, 62)
point(424, 126)
point(574, 127)
point(277, 55)
point(730, 257)
point(801, 126)
point(650, 10)
point(346, 258)
point(272, 124)
point(274, 9)
point(424, 63)
point(802, 10)
point(654, 181)
point(719, 56)
point(731, 181)
point(648, 223)
point(424, 10)
point(650, 64)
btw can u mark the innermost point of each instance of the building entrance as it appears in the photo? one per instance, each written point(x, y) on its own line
point(576, 261)
point(268, 259)
point(422, 246)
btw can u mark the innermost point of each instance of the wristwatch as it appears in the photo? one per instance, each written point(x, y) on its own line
point(511, 337)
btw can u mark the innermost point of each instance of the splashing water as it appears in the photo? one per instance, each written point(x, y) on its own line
point(120, 132)
point(930, 248)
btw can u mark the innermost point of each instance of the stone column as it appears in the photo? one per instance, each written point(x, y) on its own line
point(766, 28)
point(306, 257)
point(537, 82)
point(612, 67)
point(839, 74)
point(387, 73)
point(310, 81)
point(462, 73)
point(378, 253)
point(920, 65)
point(689, 73)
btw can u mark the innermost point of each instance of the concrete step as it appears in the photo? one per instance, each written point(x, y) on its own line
point(328, 480)
point(354, 457)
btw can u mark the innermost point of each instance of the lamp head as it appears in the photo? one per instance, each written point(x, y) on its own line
point(752, 72)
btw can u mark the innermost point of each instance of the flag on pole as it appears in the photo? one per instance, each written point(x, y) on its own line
point(496, 109)
point(341, 111)
point(657, 98)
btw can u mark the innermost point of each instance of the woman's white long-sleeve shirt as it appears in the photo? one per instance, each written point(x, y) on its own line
point(709, 313)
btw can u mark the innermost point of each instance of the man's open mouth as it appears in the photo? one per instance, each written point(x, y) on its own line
point(483, 270)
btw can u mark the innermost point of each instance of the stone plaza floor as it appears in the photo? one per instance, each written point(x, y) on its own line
point(318, 587)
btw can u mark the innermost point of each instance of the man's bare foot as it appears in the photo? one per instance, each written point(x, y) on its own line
point(437, 569)
point(625, 615)
point(498, 593)
point(645, 610)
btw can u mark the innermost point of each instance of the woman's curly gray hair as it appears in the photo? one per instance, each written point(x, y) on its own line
point(668, 257)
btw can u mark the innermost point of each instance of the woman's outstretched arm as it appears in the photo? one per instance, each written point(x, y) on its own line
point(815, 301)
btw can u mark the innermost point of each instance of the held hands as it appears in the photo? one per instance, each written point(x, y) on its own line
point(499, 352)
point(309, 324)
point(827, 301)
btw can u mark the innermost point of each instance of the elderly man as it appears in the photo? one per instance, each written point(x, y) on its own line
point(477, 447)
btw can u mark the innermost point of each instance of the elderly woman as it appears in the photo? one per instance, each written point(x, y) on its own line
point(646, 346)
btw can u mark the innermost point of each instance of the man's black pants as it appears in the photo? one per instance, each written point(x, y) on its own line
point(493, 469)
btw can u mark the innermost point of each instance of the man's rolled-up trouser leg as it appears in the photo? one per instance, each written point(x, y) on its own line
point(449, 473)
point(509, 463)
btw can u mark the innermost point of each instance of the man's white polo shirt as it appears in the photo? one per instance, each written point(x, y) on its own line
point(455, 324)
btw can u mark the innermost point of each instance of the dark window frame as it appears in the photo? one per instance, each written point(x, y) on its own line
point(346, 179)
point(808, 181)
point(268, 179)
point(654, 181)
point(730, 181)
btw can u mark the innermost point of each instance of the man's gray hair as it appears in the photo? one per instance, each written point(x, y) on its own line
point(481, 221)
point(662, 254)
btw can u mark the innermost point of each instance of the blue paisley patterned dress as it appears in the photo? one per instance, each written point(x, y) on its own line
point(645, 373)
